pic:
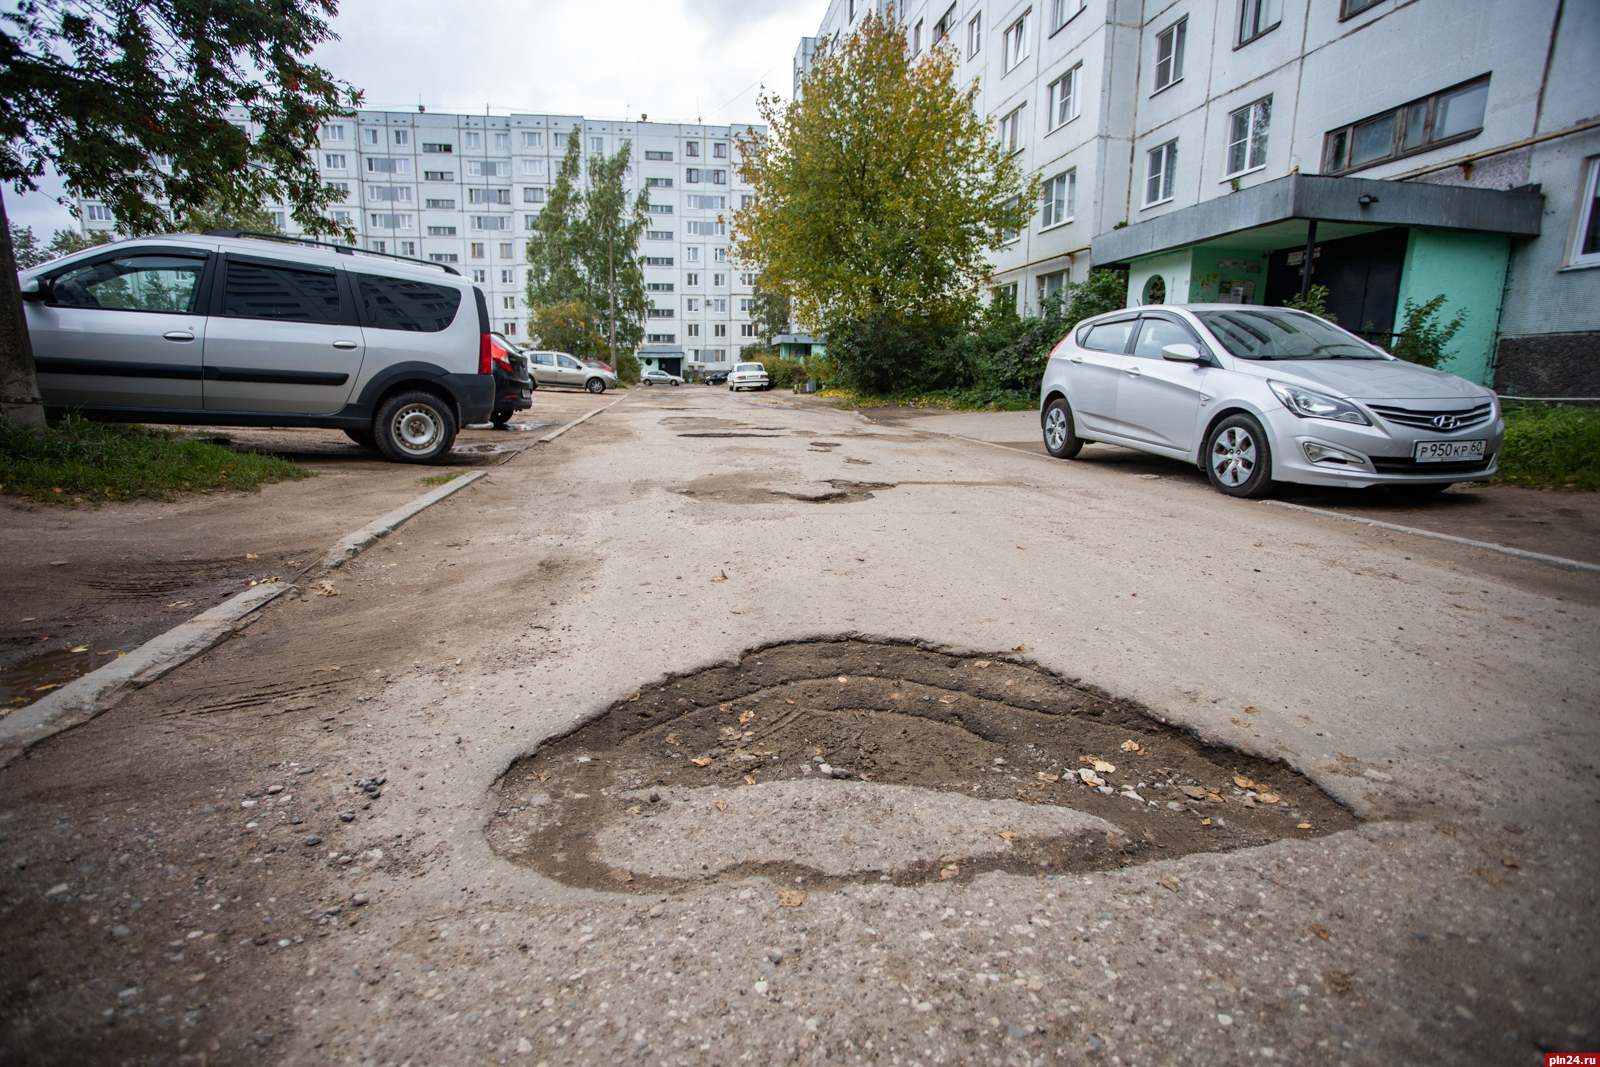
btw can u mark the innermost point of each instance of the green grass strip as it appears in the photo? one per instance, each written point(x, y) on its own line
point(75, 461)
point(1551, 446)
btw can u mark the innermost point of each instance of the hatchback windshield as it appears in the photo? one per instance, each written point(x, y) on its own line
point(1275, 333)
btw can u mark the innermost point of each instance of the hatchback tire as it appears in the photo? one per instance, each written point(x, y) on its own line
point(1237, 458)
point(595, 385)
point(1061, 438)
point(414, 427)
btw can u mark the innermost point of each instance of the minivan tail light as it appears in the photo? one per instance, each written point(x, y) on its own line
point(485, 354)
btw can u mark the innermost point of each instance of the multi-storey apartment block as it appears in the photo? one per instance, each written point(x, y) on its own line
point(1404, 148)
point(464, 190)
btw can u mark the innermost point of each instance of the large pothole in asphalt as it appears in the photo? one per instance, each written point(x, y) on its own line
point(831, 762)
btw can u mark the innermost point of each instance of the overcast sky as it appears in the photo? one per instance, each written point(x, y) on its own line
point(675, 60)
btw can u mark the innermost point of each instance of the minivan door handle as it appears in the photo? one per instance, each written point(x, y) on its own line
point(345, 344)
point(178, 335)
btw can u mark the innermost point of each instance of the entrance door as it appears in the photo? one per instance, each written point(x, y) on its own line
point(285, 339)
point(1362, 274)
point(122, 331)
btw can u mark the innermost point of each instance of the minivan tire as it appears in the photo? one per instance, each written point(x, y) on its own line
point(414, 427)
point(595, 385)
point(1238, 459)
point(363, 438)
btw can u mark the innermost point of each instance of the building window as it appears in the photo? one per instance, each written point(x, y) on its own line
point(378, 221)
point(333, 160)
point(334, 132)
point(707, 203)
point(443, 205)
point(472, 139)
point(408, 248)
point(720, 304)
point(975, 35)
point(508, 303)
point(1060, 194)
point(97, 213)
point(597, 144)
point(437, 149)
point(691, 149)
point(661, 338)
point(1169, 54)
point(533, 167)
point(508, 276)
point(664, 157)
point(706, 228)
point(1247, 136)
point(488, 196)
point(719, 330)
point(530, 221)
point(444, 257)
point(388, 165)
point(691, 175)
point(342, 218)
point(369, 135)
point(389, 192)
point(342, 187)
point(476, 250)
point(660, 209)
point(533, 196)
point(441, 231)
point(438, 175)
point(1353, 7)
point(916, 39)
point(746, 200)
point(1159, 175)
point(1257, 17)
point(1011, 131)
point(505, 246)
point(658, 261)
point(479, 168)
point(1050, 285)
point(719, 177)
point(661, 313)
point(692, 329)
point(1062, 12)
point(1443, 118)
point(1064, 98)
point(532, 139)
point(942, 28)
point(692, 304)
point(1586, 250)
point(401, 136)
point(380, 246)
point(719, 150)
point(719, 255)
point(1015, 47)
point(744, 305)
point(691, 279)
point(560, 141)
point(502, 140)
point(658, 235)
point(510, 329)
point(480, 275)
point(746, 330)
point(659, 287)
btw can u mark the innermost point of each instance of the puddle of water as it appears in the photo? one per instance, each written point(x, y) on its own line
point(37, 676)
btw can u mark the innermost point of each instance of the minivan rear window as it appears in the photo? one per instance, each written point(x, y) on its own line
point(404, 304)
point(283, 294)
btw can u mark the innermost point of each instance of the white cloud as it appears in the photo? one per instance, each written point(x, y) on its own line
point(676, 60)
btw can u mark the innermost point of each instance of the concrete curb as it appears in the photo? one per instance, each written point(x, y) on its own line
point(88, 696)
point(352, 545)
point(1505, 550)
point(547, 438)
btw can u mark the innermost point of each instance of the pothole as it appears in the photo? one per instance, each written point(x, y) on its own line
point(843, 492)
point(726, 433)
point(738, 489)
point(823, 763)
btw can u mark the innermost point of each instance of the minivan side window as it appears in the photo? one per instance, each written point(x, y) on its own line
point(544, 359)
point(569, 363)
point(280, 293)
point(403, 304)
point(164, 283)
point(1108, 336)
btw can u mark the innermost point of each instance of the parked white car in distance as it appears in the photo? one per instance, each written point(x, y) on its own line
point(747, 376)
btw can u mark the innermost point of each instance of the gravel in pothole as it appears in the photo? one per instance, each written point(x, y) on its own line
point(820, 763)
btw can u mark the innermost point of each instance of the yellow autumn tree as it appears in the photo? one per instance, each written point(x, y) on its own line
point(878, 193)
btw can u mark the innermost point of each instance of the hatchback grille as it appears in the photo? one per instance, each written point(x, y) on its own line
point(1411, 466)
point(1441, 421)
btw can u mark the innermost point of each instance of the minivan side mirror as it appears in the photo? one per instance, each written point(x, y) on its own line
point(33, 289)
point(1183, 352)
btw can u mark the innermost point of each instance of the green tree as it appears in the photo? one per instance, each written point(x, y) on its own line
point(105, 94)
point(222, 213)
point(770, 308)
point(25, 246)
point(66, 242)
point(584, 248)
point(569, 326)
point(1423, 337)
point(878, 193)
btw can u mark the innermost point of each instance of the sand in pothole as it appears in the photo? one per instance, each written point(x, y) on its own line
point(837, 828)
point(983, 741)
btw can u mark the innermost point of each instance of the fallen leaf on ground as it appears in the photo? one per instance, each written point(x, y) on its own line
point(745, 716)
point(788, 702)
point(1252, 711)
point(1170, 882)
point(843, 679)
point(622, 875)
point(1043, 777)
point(749, 780)
point(1339, 983)
point(1513, 864)
point(1020, 548)
point(52, 685)
point(251, 555)
point(979, 663)
point(791, 898)
point(1488, 876)
point(1205, 822)
point(722, 805)
point(1194, 791)
point(1008, 835)
point(1019, 648)
point(1302, 826)
point(326, 588)
point(1239, 722)
point(1243, 783)
point(1102, 767)
point(674, 739)
point(949, 872)
point(704, 761)
point(1321, 931)
point(80, 648)
point(949, 699)
point(721, 577)
point(1267, 798)
point(1131, 745)
point(186, 603)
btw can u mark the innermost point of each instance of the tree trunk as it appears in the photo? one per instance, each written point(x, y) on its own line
point(19, 384)
point(611, 272)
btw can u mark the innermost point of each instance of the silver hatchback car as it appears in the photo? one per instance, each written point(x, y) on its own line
point(1256, 395)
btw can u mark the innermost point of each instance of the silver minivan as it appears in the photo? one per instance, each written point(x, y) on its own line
point(221, 329)
point(1256, 395)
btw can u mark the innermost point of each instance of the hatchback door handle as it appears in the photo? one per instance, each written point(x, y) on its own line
point(178, 335)
point(1075, 359)
point(345, 344)
point(1134, 371)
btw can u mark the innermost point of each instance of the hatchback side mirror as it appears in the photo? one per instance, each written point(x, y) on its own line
point(1182, 353)
point(33, 289)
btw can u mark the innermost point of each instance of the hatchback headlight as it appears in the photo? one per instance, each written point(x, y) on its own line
point(1309, 404)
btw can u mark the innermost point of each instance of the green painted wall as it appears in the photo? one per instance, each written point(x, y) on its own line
point(1216, 269)
point(1470, 270)
point(1174, 268)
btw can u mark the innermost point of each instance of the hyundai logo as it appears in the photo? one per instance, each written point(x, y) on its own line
point(1447, 422)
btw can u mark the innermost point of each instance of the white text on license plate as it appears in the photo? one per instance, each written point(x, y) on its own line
point(1449, 451)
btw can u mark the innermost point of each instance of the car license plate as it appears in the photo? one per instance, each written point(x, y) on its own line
point(1449, 451)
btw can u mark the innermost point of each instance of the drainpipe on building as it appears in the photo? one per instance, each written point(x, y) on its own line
point(1305, 266)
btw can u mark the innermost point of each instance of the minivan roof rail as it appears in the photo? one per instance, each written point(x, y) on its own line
point(343, 250)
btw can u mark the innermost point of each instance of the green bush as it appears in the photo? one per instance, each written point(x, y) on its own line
point(627, 368)
point(1551, 445)
point(75, 461)
point(1422, 337)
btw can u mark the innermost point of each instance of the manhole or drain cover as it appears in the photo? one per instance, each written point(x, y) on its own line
point(829, 762)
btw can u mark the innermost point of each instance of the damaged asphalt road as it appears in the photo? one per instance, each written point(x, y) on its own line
point(299, 847)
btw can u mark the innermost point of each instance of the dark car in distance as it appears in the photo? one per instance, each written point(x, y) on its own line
point(719, 378)
point(513, 379)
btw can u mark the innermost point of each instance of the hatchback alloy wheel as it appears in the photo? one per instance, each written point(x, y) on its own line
point(1238, 459)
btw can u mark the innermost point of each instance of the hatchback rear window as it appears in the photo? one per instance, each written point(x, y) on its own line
point(404, 304)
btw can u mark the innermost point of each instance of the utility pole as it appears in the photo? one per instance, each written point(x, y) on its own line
point(611, 278)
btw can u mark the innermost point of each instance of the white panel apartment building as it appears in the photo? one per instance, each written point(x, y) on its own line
point(1417, 147)
point(464, 190)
